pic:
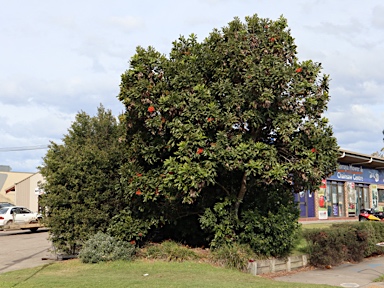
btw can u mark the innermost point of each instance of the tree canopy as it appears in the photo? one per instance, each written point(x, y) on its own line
point(218, 135)
point(234, 117)
point(82, 177)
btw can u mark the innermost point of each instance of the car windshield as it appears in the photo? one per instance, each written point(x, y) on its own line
point(4, 210)
point(5, 204)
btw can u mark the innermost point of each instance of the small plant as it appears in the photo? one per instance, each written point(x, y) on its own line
point(102, 247)
point(170, 251)
point(235, 256)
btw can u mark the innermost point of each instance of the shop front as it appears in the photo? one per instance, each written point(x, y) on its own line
point(358, 183)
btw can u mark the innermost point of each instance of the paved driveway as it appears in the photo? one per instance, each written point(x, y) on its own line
point(21, 249)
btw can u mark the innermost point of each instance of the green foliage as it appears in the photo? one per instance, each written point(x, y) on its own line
point(234, 256)
point(170, 251)
point(221, 131)
point(373, 231)
point(124, 227)
point(344, 242)
point(82, 180)
point(102, 247)
point(233, 117)
point(221, 222)
point(272, 235)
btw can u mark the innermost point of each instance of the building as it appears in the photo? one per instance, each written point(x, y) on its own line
point(358, 183)
point(27, 191)
point(7, 180)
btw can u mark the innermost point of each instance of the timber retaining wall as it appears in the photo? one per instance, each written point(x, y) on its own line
point(258, 267)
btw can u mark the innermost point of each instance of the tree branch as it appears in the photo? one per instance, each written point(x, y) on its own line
point(240, 196)
point(222, 187)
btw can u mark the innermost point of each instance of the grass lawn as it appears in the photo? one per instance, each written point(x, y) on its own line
point(158, 273)
point(316, 226)
point(73, 273)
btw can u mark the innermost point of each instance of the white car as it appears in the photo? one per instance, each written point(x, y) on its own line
point(18, 215)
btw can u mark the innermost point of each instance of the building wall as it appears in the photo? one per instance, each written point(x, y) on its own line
point(7, 180)
point(26, 192)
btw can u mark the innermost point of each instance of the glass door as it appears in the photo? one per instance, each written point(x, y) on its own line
point(362, 197)
point(340, 197)
point(334, 200)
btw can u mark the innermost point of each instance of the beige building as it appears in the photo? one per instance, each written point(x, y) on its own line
point(7, 181)
point(27, 191)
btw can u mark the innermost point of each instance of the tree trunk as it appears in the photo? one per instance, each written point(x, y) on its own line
point(240, 196)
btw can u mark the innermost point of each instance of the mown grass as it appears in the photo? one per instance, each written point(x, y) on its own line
point(139, 273)
point(153, 270)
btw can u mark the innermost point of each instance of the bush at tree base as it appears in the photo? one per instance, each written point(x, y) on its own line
point(102, 247)
point(271, 235)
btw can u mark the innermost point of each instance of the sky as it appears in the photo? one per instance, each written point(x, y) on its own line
point(58, 58)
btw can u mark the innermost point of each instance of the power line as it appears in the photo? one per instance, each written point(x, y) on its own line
point(23, 148)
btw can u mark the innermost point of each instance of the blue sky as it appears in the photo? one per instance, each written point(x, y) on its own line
point(61, 57)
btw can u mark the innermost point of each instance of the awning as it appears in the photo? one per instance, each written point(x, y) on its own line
point(358, 159)
point(10, 189)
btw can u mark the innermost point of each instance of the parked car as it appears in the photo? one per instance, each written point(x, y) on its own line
point(18, 215)
point(5, 204)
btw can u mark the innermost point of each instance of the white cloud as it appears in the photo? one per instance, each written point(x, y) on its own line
point(377, 16)
point(60, 57)
point(127, 23)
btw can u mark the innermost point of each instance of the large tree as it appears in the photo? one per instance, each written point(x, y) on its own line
point(226, 129)
point(82, 180)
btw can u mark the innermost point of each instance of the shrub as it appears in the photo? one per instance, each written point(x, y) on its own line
point(272, 235)
point(269, 233)
point(234, 256)
point(170, 251)
point(102, 247)
point(344, 242)
point(373, 231)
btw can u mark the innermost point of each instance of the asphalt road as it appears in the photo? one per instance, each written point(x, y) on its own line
point(20, 249)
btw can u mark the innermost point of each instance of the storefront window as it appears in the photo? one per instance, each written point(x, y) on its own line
point(335, 199)
point(381, 195)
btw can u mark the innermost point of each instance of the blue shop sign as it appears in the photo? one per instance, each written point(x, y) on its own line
point(346, 172)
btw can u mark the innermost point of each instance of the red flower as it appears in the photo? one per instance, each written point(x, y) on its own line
point(210, 119)
point(199, 151)
point(313, 150)
point(298, 70)
point(138, 192)
point(133, 242)
point(139, 174)
point(151, 109)
point(272, 39)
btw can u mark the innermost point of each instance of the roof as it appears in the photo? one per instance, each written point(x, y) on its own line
point(13, 187)
point(359, 159)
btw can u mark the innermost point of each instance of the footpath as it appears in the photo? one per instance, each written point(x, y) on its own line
point(346, 275)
